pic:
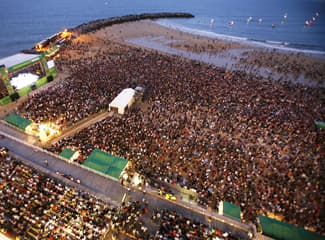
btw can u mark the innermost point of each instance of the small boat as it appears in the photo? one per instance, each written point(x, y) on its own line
point(284, 18)
point(231, 23)
point(308, 23)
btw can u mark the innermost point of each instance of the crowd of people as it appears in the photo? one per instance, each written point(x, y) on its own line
point(174, 226)
point(295, 64)
point(227, 135)
point(292, 64)
point(36, 69)
point(84, 99)
point(3, 89)
point(36, 206)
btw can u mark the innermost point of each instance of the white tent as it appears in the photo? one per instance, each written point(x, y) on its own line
point(123, 101)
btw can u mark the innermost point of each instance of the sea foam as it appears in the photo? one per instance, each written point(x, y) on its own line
point(285, 46)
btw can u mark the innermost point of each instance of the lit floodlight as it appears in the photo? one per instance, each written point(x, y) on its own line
point(136, 180)
point(3, 237)
point(47, 131)
point(125, 176)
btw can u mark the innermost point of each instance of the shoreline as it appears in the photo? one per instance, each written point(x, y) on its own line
point(306, 68)
point(268, 44)
point(268, 63)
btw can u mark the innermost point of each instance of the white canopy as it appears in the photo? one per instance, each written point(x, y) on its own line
point(16, 59)
point(122, 101)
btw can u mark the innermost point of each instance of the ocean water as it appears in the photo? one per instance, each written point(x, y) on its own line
point(24, 23)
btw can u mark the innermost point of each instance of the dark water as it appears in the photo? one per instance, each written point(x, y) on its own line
point(24, 23)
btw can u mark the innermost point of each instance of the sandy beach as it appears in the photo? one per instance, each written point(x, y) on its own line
point(269, 63)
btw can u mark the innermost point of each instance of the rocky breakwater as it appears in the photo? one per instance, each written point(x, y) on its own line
point(100, 23)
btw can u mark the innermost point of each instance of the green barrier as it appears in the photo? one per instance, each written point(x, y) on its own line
point(231, 210)
point(24, 91)
point(2, 70)
point(285, 231)
point(41, 82)
point(5, 100)
point(53, 72)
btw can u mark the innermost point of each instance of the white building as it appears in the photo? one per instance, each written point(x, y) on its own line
point(123, 101)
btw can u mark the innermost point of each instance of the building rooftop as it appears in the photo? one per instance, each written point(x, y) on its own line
point(16, 59)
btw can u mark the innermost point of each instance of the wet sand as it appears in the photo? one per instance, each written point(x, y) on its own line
point(269, 63)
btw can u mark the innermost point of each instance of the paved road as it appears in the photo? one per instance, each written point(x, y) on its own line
point(110, 190)
point(82, 124)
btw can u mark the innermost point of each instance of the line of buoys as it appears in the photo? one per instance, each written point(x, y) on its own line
point(260, 20)
point(311, 21)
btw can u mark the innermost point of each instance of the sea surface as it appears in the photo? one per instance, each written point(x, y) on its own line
point(24, 23)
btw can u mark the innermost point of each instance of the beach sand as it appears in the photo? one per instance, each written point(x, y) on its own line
point(268, 63)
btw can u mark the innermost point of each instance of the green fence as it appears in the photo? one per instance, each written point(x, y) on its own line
point(53, 72)
point(285, 231)
point(24, 91)
point(40, 82)
point(231, 210)
point(5, 100)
